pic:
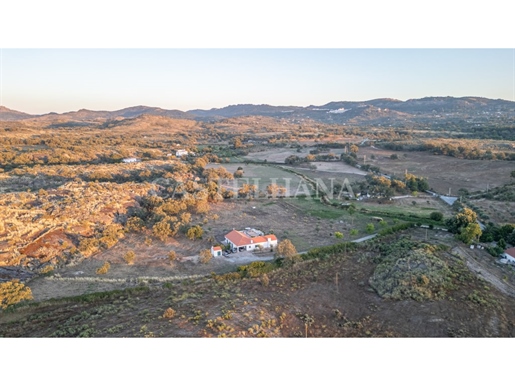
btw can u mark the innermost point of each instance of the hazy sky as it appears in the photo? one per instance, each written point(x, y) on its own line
point(44, 80)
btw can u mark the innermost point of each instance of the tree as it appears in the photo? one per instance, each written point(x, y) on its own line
point(354, 149)
point(162, 229)
point(287, 251)
point(352, 209)
point(370, 228)
point(470, 233)
point(104, 268)
point(512, 174)
point(205, 256)
point(129, 257)
point(134, 224)
point(465, 217)
point(436, 216)
point(237, 143)
point(272, 190)
point(195, 232)
point(172, 256)
point(394, 156)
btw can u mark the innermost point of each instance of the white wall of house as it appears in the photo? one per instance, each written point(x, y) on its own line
point(510, 258)
point(250, 247)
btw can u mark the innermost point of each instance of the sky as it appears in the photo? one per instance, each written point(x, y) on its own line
point(42, 80)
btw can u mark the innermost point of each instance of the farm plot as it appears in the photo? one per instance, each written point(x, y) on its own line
point(276, 155)
point(418, 206)
point(443, 172)
point(262, 176)
point(502, 212)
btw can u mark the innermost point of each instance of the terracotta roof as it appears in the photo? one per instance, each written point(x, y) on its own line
point(510, 252)
point(238, 238)
point(217, 248)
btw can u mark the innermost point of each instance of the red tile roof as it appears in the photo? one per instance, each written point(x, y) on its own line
point(217, 248)
point(239, 238)
point(510, 252)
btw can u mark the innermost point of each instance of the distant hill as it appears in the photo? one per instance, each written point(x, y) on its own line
point(91, 115)
point(246, 109)
point(12, 115)
point(374, 111)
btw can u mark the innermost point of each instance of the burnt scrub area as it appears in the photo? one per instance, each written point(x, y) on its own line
point(332, 295)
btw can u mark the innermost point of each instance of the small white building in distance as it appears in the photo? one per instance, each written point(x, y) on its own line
point(216, 251)
point(181, 152)
point(130, 160)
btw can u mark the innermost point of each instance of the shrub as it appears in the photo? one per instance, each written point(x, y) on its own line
point(265, 280)
point(409, 269)
point(104, 268)
point(134, 224)
point(46, 269)
point(13, 292)
point(370, 228)
point(256, 269)
point(169, 313)
point(436, 216)
point(172, 256)
point(129, 257)
point(205, 256)
point(195, 232)
point(338, 235)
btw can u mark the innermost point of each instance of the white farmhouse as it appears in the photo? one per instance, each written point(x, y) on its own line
point(181, 152)
point(246, 241)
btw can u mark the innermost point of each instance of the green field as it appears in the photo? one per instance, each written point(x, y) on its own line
point(264, 175)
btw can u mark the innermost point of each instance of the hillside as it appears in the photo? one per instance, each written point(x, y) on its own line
point(423, 111)
point(12, 115)
point(440, 297)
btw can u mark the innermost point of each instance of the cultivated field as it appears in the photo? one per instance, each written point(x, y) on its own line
point(442, 172)
point(280, 154)
point(262, 176)
point(502, 212)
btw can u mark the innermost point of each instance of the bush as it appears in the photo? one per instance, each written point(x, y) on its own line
point(370, 228)
point(134, 224)
point(13, 292)
point(129, 257)
point(256, 269)
point(195, 232)
point(172, 256)
point(265, 280)
point(338, 235)
point(436, 216)
point(205, 256)
point(169, 313)
point(104, 268)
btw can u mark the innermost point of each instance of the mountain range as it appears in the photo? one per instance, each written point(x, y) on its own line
point(385, 110)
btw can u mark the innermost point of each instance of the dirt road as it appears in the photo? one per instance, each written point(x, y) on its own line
point(481, 269)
